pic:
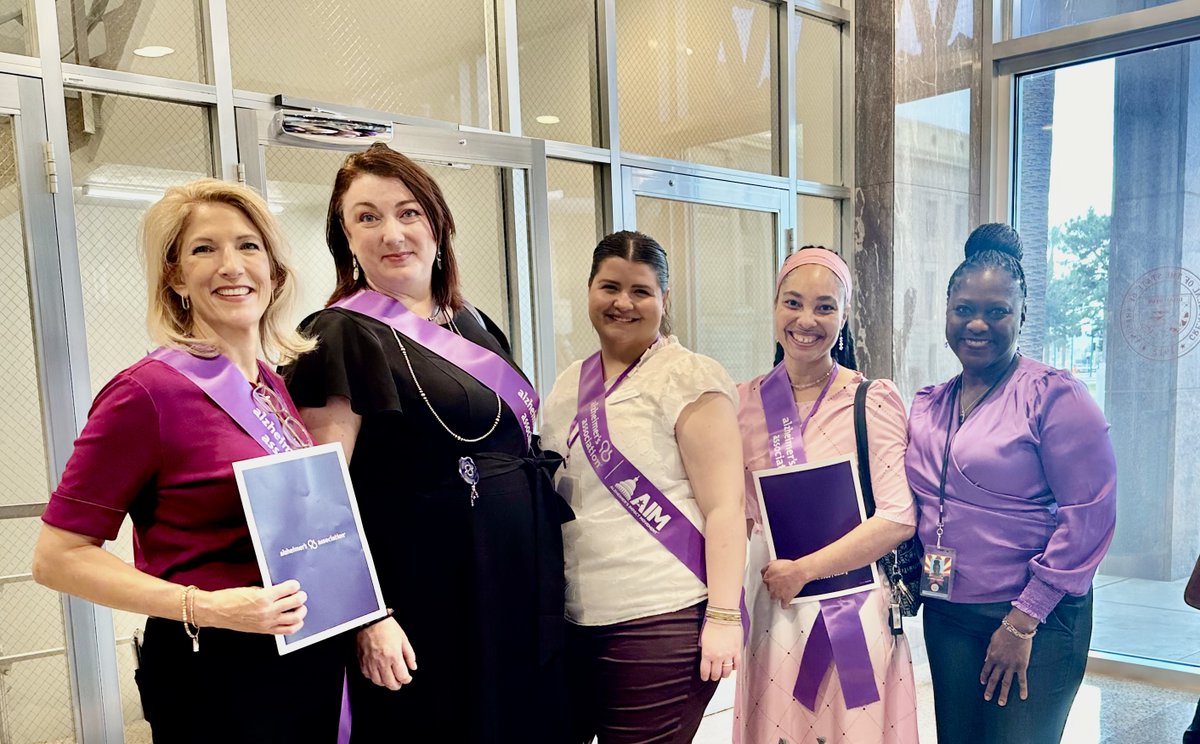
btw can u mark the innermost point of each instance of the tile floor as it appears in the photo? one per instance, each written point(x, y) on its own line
point(1134, 617)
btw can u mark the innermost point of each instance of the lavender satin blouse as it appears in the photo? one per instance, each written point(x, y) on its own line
point(1030, 487)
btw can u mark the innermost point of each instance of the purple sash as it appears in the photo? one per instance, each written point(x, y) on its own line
point(629, 486)
point(225, 385)
point(837, 635)
point(486, 367)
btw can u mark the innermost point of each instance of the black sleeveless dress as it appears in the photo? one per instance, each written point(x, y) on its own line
point(478, 587)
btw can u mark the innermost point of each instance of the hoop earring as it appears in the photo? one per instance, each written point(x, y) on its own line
point(187, 304)
point(439, 259)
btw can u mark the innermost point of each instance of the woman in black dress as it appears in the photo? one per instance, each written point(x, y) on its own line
point(472, 572)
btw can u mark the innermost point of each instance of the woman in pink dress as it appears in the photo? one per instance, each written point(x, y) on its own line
point(812, 298)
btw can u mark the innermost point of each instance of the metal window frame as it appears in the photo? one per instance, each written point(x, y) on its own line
point(1004, 60)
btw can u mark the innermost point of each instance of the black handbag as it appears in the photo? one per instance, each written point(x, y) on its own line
point(902, 566)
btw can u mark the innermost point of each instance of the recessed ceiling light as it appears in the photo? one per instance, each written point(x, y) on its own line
point(547, 119)
point(153, 51)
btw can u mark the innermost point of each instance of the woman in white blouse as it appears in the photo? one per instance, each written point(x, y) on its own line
point(654, 558)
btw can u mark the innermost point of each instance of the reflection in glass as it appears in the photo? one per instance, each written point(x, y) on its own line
point(17, 30)
point(1106, 162)
point(574, 231)
point(379, 55)
point(722, 279)
point(558, 75)
point(818, 222)
point(162, 38)
point(1047, 15)
point(678, 61)
point(818, 49)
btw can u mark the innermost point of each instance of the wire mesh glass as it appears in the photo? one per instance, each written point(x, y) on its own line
point(558, 74)
point(818, 222)
point(125, 152)
point(575, 228)
point(435, 60)
point(817, 45)
point(678, 63)
point(300, 181)
point(17, 30)
point(163, 38)
point(722, 263)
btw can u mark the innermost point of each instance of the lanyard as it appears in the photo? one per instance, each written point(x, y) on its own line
point(951, 431)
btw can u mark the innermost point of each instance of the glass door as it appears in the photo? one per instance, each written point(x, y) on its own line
point(292, 157)
point(54, 650)
point(724, 242)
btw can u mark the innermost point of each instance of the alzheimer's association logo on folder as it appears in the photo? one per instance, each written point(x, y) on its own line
point(305, 525)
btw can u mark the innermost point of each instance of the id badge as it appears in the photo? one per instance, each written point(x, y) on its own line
point(937, 573)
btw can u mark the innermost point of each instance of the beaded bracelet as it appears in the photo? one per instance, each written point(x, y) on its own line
point(188, 606)
point(1018, 633)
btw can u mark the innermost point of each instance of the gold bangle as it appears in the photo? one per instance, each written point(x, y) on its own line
point(1004, 623)
point(189, 615)
point(731, 611)
point(723, 616)
point(715, 621)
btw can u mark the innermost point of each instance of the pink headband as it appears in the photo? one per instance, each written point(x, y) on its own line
point(821, 257)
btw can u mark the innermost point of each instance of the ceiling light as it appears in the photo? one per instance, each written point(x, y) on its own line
point(153, 51)
point(546, 119)
point(121, 193)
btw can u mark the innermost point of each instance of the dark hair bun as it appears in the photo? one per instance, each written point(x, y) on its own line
point(994, 236)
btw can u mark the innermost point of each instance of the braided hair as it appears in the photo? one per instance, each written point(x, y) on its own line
point(992, 246)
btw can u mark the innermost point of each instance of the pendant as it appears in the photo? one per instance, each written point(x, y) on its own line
point(195, 645)
point(470, 475)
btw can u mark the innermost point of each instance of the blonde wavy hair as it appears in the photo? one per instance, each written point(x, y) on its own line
point(168, 322)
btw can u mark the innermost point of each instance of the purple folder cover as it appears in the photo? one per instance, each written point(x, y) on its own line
point(809, 509)
point(302, 513)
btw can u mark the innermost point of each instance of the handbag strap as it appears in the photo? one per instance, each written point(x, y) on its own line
point(860, 440)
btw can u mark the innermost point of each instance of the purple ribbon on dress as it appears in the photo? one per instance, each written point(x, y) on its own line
point(488, 368)
point(629, 486)
point(837, 635)
point(225, 385)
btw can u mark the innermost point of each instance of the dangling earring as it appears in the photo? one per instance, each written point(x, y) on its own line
point(946, 344)
point(356, 270)
point(841, 343)
point(183, 300)
point(439, 259)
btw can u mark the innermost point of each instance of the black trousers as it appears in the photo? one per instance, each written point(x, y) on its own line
point(956, 639)
point(638, 682)
point(238, 688)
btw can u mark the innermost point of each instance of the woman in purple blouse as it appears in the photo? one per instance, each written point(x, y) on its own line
point(1015, 481)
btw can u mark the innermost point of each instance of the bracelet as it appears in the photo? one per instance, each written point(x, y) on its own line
point(723, 616)
point(188, 606)
point(376, 621)
point(1004, 623)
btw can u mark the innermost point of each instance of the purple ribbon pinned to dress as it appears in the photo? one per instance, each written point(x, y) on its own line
point(488, 368)
point(629, 486)
point(225, 385)
point(837, 635)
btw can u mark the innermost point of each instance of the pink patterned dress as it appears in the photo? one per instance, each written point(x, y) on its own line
point(765, 711)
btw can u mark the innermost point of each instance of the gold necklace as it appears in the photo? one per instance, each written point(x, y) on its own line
point(814, 383)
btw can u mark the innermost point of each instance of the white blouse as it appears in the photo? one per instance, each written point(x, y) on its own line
point(616, 571)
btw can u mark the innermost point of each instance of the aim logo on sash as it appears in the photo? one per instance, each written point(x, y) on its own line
point(650, 511)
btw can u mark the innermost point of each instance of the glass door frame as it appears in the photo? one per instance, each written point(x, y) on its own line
point(699, 189)
point(525, 205)
point(60, 350)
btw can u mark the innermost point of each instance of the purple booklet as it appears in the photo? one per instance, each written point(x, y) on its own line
point(807, 507)
point(305, 525)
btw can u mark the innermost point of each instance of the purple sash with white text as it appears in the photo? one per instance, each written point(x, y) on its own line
point(629, 486)
point(837, 635)
point(488, 368)
point(225, 385)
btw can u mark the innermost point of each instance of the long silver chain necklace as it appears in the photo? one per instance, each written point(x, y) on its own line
point(424, 397)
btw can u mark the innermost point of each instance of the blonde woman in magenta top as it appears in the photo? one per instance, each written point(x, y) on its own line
point(661, 507)
point(813, 293)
